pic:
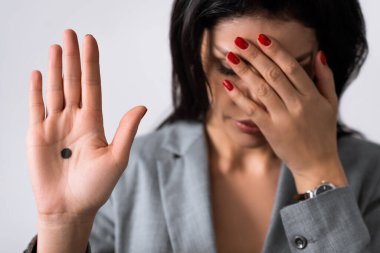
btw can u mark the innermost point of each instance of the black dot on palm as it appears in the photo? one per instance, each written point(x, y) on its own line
point(66, 153)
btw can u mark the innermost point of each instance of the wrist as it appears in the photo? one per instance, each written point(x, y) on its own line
point(64, 219)
point(332, 172)
point(63, 233)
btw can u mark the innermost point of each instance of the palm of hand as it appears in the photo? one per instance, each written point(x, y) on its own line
point(82, 183)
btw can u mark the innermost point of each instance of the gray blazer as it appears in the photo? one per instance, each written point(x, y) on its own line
point(161, 204)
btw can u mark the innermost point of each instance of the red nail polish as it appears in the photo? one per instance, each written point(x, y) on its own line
point(233, 58)
point(264, 40)
point(323, 58)
point(241, 43)
point(228, 85)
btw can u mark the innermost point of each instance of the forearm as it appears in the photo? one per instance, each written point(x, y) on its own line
point(63, 234)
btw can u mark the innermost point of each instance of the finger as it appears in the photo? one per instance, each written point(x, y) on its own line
point(252, 109)
point(288, 64)
point(54, 90)
point(36, 103)
point(71, 69)
point(325, 79)
point(122, 141)
point(272, 73)
point(91, 89)
point(256, 85)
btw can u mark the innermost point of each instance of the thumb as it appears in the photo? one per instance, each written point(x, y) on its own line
point(122, 141)
point(325, 78)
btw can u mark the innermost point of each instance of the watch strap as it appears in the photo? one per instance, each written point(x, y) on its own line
point(303, 196)
point(313, 193)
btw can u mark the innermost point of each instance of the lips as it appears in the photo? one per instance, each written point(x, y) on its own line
point(247, 126)
point(247, 123)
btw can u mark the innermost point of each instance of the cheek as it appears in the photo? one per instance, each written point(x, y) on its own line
point(218, 95)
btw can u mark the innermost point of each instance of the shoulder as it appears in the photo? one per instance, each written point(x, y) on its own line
point(353, 148)
point(145, 152)
point(361, 161)
point(161, 144)
point(172, 137)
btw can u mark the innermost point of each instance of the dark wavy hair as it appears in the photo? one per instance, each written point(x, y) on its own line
point(339, 26)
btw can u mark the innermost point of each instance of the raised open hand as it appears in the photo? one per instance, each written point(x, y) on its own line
point(80, 184)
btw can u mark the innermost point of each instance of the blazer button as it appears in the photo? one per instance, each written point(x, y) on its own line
point(300, 242)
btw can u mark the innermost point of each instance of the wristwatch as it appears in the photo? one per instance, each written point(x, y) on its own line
point(323, 187)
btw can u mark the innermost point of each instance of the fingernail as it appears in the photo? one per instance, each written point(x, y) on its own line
point(233, 58)
point(264, 40)
point(323, 58)
point(228, 85)
point(241, 43)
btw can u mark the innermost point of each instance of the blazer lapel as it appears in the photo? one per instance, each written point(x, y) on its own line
point(185, 193)
point(276, 240)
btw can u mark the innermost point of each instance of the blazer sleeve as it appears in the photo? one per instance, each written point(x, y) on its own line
point(332, 222)
point(102, 237)
point(32, 246)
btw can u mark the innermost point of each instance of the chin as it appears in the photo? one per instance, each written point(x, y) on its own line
point(248, 140)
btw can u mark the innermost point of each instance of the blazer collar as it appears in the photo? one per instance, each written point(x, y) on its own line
point(180, 136)
point(185, 192)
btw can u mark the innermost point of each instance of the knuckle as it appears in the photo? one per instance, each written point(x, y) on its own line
point(309, 98)
point(54, 88)
point(72, 56)
point(298, 107)
point(242, 71)
point(262, 90)
point(251, 110)
point(72, 78)
point(238, 98)
point(70, 106)
point(292, 68)
point(92, 81)
point(253, 54)
point(274, 74)
point(52, 111)
point(273, 47)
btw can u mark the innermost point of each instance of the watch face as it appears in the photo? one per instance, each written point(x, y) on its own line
point(323, 188)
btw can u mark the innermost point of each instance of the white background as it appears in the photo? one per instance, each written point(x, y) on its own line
point(135, 66)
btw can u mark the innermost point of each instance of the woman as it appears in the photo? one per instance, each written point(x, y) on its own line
point(252, 159)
